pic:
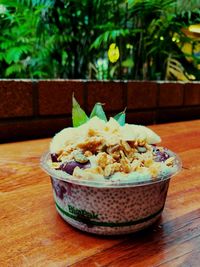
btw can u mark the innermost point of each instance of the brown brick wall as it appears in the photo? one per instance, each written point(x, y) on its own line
point(170, 94)
point(16, 99)
point(142, 95)
point(36, 109)
point(55, 96)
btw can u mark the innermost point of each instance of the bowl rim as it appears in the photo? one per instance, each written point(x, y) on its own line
point(60, 175)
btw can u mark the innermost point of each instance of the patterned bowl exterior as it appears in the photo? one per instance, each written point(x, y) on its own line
point(110, 211)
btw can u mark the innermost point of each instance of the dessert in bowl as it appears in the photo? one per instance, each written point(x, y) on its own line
point(109, 177)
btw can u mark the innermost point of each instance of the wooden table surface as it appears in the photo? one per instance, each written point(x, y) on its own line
point(33, 234)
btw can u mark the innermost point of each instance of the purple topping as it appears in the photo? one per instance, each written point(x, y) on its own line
point(54, 157)
point(69, 167)
point(160, 155)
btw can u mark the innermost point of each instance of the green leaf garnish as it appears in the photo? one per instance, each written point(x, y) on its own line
point(79, 116)
point(98, 111)
point(121, 118)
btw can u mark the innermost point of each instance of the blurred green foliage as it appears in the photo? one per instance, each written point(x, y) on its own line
point(70, 39)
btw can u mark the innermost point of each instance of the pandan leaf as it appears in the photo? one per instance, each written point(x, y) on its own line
point(79, 116)
point(121, 117)
point(98, 111)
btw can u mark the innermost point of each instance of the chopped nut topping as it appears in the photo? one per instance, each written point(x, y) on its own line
point(116, 155)
point(126, 146)
point(154, 169)
point(108, 170)
point(169, 161)
point(92, 144)
point(112, 168)
point(141, 142)
point(125, 165)
point(88, 153)
point(103, 159)
point(110, 149)
point(79, 157)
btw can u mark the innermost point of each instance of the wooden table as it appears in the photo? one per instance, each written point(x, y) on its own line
point(33, 234)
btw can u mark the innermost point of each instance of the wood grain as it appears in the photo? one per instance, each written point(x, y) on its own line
point(33, 234)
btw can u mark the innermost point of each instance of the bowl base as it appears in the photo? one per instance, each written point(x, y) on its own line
point(109, 230)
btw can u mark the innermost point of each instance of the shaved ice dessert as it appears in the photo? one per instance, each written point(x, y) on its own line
point(108, 176)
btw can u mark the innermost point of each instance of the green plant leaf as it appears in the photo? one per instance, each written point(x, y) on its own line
point(79, 116)
point(121, 118)
point(128, 63)
point(98, 111)
point(175, 70)
point(14, 68)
